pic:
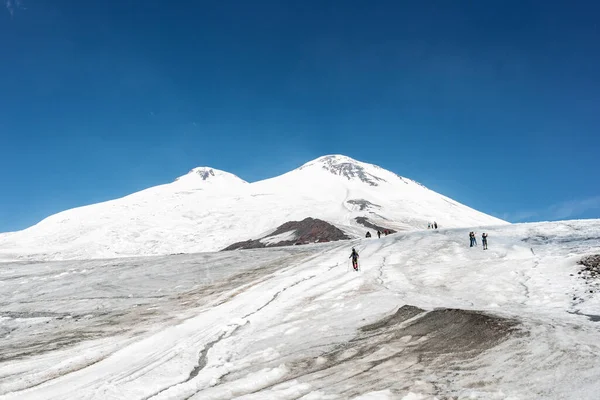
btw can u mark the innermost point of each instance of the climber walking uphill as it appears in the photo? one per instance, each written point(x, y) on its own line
point(354, 257)
point(484, 240)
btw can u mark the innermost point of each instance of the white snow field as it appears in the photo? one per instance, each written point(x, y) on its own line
point(208, 210)
point(426, 317)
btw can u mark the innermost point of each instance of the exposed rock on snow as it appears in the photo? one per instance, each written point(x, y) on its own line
point(363, 204)
point(346, 167)
point(309, 230)
point(591, 272)
point(205, 173)
point(592, 263)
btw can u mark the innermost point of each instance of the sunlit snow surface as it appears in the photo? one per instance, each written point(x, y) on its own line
point(426, 317)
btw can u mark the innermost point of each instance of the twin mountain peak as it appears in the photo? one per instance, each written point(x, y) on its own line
point(330, 198)
point(339, 165)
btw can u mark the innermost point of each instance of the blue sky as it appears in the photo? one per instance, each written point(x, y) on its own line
point(494, 103)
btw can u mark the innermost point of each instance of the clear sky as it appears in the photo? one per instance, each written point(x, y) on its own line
point(493, 103)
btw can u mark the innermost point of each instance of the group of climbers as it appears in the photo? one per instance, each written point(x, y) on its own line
point(473, 240)
point(379, 233)
point(434, 225)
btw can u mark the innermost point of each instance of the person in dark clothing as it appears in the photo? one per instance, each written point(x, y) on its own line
point(379, 234)
point(484, 240)
point(472, 238)
point(354, 257)
point(368, 234)
point(434, 225)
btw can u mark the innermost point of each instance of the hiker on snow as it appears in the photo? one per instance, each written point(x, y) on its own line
point(472, 238)
point(354, 257)
point(368, 234)
point(484, 240)
point(434, 225)
point(379, 234)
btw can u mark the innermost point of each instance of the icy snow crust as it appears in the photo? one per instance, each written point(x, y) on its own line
point(208, 209)
point(426, 317)
point(282, 237)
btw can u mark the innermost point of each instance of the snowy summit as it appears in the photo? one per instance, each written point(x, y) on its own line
point(209, 210)
point(345, 167)
point(204, 176)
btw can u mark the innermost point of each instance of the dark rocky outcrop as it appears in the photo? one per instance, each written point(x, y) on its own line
point(365, 222)
point(206, 173)
point(309, 230)
point(591, 263)
point(591, 267)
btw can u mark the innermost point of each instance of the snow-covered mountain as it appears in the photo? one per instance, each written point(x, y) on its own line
point(208, 210)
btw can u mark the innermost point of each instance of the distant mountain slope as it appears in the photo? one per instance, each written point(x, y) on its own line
point(208, 210)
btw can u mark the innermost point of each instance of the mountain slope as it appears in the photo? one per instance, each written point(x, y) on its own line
point(208, 209)
point(427, 317)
